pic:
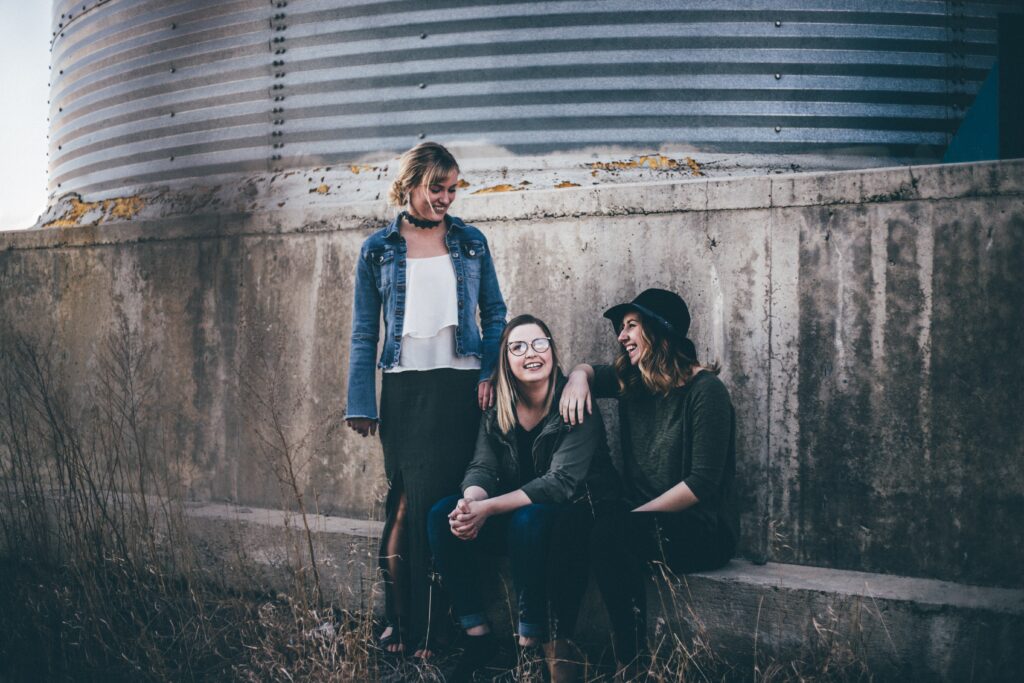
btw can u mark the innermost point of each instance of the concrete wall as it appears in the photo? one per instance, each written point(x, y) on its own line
point(866, 321)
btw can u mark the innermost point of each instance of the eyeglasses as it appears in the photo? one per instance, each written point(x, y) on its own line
point(540, 345)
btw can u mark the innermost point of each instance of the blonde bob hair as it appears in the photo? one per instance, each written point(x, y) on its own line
point(424, 164)
point(665, 364)
point(506, 384)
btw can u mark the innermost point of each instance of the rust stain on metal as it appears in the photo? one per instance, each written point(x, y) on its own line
point(497, 188)
point(115, 209)
point(566, 183)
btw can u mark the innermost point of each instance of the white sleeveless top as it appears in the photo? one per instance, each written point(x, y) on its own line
point(431, 315)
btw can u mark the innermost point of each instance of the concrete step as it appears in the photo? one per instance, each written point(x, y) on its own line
point(748, 615)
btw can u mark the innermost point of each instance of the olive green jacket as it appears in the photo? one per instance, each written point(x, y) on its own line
point(572, 462)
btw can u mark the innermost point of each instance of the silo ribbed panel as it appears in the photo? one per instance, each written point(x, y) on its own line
point(146, 92)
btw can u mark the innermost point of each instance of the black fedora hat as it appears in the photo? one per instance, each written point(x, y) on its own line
point(659, 307)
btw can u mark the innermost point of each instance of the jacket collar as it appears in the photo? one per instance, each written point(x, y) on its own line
point(454, 224)
point(551, 422)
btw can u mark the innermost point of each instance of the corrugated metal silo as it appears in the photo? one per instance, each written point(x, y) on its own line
point(148, 92)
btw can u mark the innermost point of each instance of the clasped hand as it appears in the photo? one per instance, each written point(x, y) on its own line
point(467, 518)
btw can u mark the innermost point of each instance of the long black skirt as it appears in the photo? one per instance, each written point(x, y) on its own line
point(428, 428)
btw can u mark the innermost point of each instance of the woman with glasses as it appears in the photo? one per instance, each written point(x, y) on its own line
point(427, 274)
point(529, 467)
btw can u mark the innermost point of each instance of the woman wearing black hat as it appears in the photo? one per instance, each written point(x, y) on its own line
point(678, 430)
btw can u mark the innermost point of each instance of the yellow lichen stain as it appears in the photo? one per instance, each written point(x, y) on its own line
point(361, 168)
point(658, 162)
point(323, 189)
point(497, 188)
point(118, 208)
point(124, 208)
point(462, 184)
point(565, 183)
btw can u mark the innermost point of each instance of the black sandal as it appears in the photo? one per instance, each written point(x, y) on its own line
point(396, 637)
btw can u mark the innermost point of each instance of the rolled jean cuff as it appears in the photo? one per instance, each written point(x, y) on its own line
point(532, 630)
point(471, 620)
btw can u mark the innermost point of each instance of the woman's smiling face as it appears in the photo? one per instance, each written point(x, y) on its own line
point(532, 365)
point(431, 202)
point(632, 337)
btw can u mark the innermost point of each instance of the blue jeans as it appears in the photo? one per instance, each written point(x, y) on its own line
point(523, 535)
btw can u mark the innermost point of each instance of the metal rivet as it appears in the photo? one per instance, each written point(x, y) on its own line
point(172, 114)
point(172, 158)
point(422, 86)
point(173, 70)
point(778, 129)
point(778, 24)
point(423, 36)
point(174, 26)
point(421, 136)
point(778, 76)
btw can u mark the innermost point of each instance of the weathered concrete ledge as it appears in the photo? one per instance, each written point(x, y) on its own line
point(323, 213)
point(902, 628)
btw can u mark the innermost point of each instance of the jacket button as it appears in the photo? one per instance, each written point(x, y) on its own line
point(460, 304)
point(472, 252)
point(460, 278)
point(455, 254)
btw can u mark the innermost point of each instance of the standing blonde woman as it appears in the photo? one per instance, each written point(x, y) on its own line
point(428, 274)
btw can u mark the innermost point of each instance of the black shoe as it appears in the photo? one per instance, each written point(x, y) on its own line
point(477, 651)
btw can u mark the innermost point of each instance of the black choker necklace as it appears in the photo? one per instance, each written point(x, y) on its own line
point(419, 222)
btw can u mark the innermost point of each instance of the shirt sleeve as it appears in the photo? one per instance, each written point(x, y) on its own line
point(570, 463)
point(605, 384)
point(366, 306)
point(712, 425)
point(483, 468)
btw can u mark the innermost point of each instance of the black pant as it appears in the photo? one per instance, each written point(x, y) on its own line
point(622, 543)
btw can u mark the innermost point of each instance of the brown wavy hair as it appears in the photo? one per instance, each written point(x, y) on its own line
point(424, 164)
point(506, 384)
point(665, 364)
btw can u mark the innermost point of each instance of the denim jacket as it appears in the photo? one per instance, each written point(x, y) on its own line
point(380, 287)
